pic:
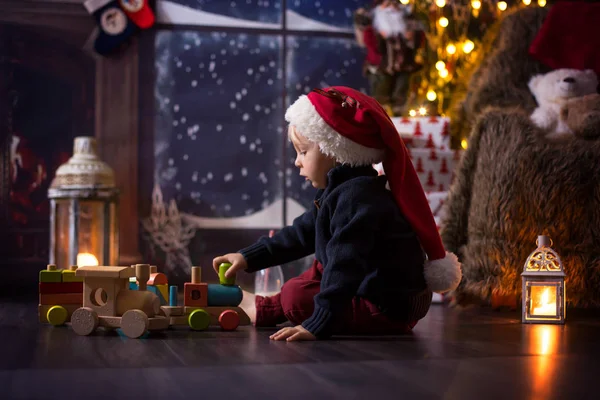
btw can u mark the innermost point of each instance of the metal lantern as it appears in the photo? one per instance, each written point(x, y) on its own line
point(83, 210)
point(543, 291)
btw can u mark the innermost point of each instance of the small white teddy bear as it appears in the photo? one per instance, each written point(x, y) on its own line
point(552, 90)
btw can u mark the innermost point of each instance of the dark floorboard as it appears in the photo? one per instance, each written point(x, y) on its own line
point(452, 354)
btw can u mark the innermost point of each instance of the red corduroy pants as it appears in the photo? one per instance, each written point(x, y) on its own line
point(295, 303)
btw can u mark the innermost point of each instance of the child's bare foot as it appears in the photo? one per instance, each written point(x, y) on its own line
point(248, 305)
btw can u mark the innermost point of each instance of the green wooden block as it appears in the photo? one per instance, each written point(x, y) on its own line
point(225, 281)
point(50, 276)
point(69, 276)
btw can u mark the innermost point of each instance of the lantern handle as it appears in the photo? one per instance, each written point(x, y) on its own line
point(538, 244)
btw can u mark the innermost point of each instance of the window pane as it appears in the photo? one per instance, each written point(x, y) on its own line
point(322, 15)
point(233, 13)
point(318, 62)
point(218, 139)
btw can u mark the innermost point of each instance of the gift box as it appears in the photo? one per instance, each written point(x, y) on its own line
point(421, 132)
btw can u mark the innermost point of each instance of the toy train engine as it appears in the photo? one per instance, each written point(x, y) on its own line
point(108, 302)
point(207, 304)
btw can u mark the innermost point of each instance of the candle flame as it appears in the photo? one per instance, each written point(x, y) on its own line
point(546, 306)
point(86, 259)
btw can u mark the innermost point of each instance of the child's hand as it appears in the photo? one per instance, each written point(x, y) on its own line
point(293, 333)
point(237, 261)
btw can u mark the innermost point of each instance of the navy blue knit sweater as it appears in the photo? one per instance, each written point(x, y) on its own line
point(364, 243)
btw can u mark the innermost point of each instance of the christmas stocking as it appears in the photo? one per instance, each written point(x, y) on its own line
point(139, 12)
point(115, 27)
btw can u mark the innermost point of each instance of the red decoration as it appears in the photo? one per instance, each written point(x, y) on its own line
point(441, 188)
point(433, 155)
point(446, 129)
point(418, 131)
point(433, 119)
point(430, 144)
point(444, 167)
point(430, 181)
point(420, 165)
point(405, 120)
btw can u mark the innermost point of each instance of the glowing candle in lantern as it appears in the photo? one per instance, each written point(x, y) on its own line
point(86, 259)
point(547, 306)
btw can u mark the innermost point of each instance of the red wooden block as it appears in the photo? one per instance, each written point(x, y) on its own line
point(61, 287)
point(195, 294)
point(158, 279)
point(61, 298)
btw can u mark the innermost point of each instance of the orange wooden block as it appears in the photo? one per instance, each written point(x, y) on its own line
point(61, 287)
point(195, 294)
point(158, 279)
point(61, 298)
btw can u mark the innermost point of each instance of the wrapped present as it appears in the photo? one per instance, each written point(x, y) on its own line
point(435, 168)
point(424, 132)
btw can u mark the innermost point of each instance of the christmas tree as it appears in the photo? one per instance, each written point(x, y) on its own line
point(458, 35)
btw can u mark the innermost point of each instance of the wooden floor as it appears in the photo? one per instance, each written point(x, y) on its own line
point(452, 354)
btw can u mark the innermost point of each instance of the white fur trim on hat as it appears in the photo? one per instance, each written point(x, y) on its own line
point(307, 121)
point(443, 275)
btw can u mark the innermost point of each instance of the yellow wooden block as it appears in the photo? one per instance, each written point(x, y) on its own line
point(50, 276)
point(69, 276)
point(164, 290)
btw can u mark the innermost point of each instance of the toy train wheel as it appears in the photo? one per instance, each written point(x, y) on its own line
point(57, 315)
point(84, 321)
point(229, 320)
point(199, 320)
point(134, 323)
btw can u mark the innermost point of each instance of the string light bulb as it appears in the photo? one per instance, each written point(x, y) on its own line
point(502, 6)
point(451, 49)
point(542, 3)
point(422, 111)
point(444, 73)
point(468, 46)
point(405, 2)
point(431, 95)
point(440, 65)
point(464, 144)
point(440, 3)
point(443, 22)
point(476, 4)
point(527, 2)
point(412, 113)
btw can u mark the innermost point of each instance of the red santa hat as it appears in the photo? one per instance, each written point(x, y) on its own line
point(354, 129)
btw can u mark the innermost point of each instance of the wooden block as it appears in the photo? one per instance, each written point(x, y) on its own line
point(158, 279)
point(158, 323)
point(195, 294)
point(61, 287)
point(43, 311)
point(61, 298)
point(155, 291)
point(178, 320)
point(172, 311)
point(164, 291)
point(110, 322)
point(105, 272)
point(70, 276)
point(50, 276)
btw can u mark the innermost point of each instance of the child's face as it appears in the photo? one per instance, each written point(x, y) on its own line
point(313, 164)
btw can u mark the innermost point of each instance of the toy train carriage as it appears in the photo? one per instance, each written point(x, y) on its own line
point(207, 304)
point(60, 294)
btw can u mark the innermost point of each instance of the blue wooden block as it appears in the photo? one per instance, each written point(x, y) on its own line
point(173, 296)
point(224, 295)
point(157, 292)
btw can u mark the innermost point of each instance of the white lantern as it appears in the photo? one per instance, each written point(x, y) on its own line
point(83, 210)
point(543, 291)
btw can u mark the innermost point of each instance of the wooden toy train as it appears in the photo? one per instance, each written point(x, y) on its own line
point(134, 299)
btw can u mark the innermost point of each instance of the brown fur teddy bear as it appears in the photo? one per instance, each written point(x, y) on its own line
point(582, 116)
